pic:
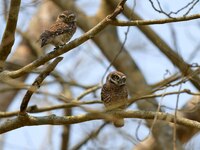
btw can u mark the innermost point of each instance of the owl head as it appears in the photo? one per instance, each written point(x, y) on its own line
point(116, 78)
point(67, 16)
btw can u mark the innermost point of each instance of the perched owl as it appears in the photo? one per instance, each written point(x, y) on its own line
point(114, 94)
point(61, 31)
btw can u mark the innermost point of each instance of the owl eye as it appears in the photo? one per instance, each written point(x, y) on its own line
point(115, 77)
point(62, 16)
point(71, 17)
point(123, 80)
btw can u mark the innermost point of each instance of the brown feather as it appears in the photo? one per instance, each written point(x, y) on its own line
point(114, 97)
point(59, 33)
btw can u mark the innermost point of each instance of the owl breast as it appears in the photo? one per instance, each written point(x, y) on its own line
point(63, 38)
point(58, 34)
point(114, 97)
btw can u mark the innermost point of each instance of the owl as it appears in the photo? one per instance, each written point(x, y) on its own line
point(114, 94)
point(61, 31)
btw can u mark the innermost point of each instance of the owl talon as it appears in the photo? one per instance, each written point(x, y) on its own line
point(57, 47)
point(61, 46)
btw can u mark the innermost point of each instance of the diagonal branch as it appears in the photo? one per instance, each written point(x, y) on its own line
point(92, 135)
point(9, 33)
point(36, 84)
point(164, 47)
point(88, 35)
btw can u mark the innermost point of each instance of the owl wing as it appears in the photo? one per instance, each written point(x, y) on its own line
point(125, 97)
point(56, 29)
point(59, 28)
point(105, 95)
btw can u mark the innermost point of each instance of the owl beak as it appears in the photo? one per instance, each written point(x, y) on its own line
point(120, 82)
point(75, 20)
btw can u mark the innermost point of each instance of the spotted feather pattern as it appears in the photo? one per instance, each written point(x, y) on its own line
point(58, 34)
point(61, 31)
point(114, 95)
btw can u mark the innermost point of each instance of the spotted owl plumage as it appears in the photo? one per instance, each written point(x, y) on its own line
point(114, 94)
point(61, 31)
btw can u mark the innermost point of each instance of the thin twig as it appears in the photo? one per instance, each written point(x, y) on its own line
point(35, 109)
point(158, 109)
point(164, 48)
point(154, 22)
point(92, 135)
point(175, 118)
point(117, 55)
point(160, 10)
point(165, 83)
point(88, 91)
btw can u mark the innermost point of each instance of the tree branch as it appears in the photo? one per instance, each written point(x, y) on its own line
point(92, 135)
point(9, 33)
point(88, 35)
point(75, 103)
point(36, 84)
point(164, 47)
point(152, 22)
point(26, 120)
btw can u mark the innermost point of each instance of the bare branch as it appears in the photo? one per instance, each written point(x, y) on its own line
point(90, 90)
point(36, 84)
point(9, 33)
point(160, 10)
point(75, 103)
point(26, 120)
point(92, 135)
point(65, 138)
point(35, 109)
point(88, 35)
point(152, 22)
point(165, 49)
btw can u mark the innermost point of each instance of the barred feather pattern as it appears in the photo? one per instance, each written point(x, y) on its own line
point(114, 98)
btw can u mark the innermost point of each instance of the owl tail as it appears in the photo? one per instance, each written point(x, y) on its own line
point(118, 122)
